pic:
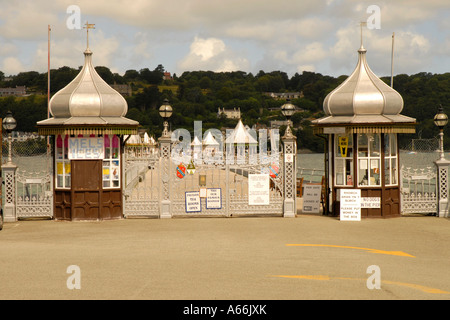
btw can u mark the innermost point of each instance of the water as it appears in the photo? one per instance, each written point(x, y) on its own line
point(311, 165)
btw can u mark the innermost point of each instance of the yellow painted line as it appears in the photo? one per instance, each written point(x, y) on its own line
point(394, 253)
point(404, 284)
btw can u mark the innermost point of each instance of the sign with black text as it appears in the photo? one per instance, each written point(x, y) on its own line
point(258, 189)
point(311, 198)
point(350, 204)
point(193, 202)
point(213, 198)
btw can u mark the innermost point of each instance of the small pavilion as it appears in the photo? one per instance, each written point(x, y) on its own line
point(361, 125)
point(88, 125)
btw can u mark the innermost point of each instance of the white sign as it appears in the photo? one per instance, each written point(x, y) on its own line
point(350, 205)
point(311, 198)
point(370, 202)
point(86, 148)
point(193, 203)
point(258, 189)
point(214, 198)
point(289, 158)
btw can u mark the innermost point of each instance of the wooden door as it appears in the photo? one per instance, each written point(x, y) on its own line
point(86, 189)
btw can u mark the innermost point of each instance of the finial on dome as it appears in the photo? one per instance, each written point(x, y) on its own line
point(87, 27)
point(361, 24)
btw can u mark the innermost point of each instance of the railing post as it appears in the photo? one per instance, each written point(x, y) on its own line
point(290, 174)
point(9, 177)
point(165, 164)
point(443, 189)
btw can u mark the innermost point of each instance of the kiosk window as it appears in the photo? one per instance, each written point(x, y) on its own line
point(390, 159)
point(111, 162)
point(343, 164)
point(62, 162)
point(369, 157)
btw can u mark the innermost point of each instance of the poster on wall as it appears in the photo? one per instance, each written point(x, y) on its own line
point(350, 205)
point(258, 189)
point(193, 202)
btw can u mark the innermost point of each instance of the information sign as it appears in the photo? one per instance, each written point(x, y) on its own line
point(258, 189)
point(311, 198)
point(193, 202)
point(350, 204)
point(214, 198)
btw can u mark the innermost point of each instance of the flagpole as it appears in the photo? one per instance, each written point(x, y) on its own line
point(48, 75)
point(392, 61)
point(48, 88)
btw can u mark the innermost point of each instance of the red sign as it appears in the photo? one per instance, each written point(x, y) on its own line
point(181, 171)
point(274, 171)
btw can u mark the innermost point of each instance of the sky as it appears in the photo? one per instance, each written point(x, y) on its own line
point(292, 36)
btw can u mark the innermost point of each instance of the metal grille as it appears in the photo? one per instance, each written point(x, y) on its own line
point(33, 184)
point(232, 180)
point(418, 190)
point(141, 181)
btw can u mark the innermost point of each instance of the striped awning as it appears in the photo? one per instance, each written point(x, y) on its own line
point(365, 129)
point(48, 131)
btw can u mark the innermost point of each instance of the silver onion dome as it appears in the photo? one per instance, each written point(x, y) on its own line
point(363, 93)
point(88, 95)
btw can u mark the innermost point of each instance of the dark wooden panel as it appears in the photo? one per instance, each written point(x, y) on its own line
point(85, 205)
point(111, 204)
point(391, 202)
point(63, 205)
point(86, 174)
point(86, 189)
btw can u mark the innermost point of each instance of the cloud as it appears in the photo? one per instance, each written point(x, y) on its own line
point(250, 35)
point(212, 54)
point(12, 66)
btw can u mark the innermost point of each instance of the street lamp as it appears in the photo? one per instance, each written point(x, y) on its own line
point(165, 111)
point(441, 120)
point(288, 109)
point(9, 124)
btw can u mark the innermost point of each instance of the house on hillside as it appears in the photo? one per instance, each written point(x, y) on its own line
point(234, 113)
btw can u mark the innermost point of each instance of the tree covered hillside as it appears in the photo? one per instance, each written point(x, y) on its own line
point(197, 95)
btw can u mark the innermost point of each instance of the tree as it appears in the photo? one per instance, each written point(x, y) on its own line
point(105, 74)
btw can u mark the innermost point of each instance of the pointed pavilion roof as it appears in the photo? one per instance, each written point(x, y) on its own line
point(240, 135)
point(196, 142)
point(210, 140)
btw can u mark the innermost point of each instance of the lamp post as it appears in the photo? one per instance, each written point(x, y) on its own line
point(9, 173)
point(290, 164)
point(441, 120)
point(165, 111)
point(9, 124)
point(288, 109)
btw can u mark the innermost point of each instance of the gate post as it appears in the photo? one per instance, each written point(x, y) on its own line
point(289, 173)
point(443, 188)
point(165, 153)
point(9, 176)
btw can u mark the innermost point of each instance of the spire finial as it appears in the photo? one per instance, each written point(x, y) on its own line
point(361, 24)
point(87, 27)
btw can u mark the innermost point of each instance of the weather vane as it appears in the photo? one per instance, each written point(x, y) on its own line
point(87, 27)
